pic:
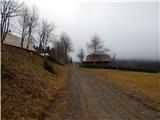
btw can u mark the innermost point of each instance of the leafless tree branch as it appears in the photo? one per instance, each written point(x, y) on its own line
point(9, 8)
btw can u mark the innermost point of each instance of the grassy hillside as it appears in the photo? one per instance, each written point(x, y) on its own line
point(145, 86)
point(27, 88)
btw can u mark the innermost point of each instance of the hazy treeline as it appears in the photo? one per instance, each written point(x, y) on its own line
point(33, 30)
point(60, 49)
point(138, 65)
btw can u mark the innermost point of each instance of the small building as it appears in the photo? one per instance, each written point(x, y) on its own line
point(97, 60)
point(16, 41)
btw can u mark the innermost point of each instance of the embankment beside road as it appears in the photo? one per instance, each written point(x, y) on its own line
point(28, 89)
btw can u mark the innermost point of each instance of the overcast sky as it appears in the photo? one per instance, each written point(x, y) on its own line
point(129, 28)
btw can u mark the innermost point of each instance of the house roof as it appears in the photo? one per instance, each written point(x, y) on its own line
point(16, 41)
point(98, 57)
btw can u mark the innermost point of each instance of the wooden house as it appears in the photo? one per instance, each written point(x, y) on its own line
point(97, 60)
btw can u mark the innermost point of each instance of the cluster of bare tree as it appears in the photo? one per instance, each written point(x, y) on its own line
point(28, 21)
point(61, 48)
point(31, 26)
point(45, 35)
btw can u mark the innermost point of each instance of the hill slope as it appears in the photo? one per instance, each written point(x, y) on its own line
point(27, 88)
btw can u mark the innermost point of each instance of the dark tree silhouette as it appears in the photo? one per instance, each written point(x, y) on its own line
point(96, 44)
point(80, 55)
point(66, 45)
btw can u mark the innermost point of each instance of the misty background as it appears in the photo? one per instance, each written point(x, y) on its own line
point(130, 29)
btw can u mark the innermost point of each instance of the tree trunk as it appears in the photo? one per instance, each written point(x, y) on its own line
point(4, 29)
point(22, 42)
point(29, 36)
point(27, 45)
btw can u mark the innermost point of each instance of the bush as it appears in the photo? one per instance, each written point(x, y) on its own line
point(48, 66)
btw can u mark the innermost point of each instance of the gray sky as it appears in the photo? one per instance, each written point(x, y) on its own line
point(129, 29)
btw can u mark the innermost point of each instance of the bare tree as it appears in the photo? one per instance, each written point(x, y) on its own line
point(96, 45)
point(80, 55)
point(24, 24)
point(9, 8)
point(62, 48)
point(113, 59)
point(67, 42)
point(32, 24)
point(67, 45)
point(46, 34)
point(58, 49)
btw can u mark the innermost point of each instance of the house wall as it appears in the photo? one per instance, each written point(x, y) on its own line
point(98, 57)
point(16, 41)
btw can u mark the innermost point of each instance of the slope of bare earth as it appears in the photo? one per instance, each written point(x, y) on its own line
point(28, 90)
point(95, 99)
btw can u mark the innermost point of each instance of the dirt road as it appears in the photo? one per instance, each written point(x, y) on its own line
point(94, 99)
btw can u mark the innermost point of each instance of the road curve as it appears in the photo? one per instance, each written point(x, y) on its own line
point(94, 99)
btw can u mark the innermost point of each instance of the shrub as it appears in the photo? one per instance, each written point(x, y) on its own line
point(48, 66)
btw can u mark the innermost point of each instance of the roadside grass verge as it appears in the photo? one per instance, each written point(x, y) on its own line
point(27, 87)
point(145, 86)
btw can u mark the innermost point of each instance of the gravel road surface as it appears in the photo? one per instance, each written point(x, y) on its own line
point(94, 99)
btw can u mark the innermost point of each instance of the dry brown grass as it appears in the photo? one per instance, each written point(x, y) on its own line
point(27, 88)
point(145, 86)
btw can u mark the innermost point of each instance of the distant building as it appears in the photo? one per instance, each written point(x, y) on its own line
point(97, 60)
point(98, 57)
point(16, 41)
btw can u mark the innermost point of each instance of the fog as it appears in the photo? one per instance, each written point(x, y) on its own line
point(129, 29)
